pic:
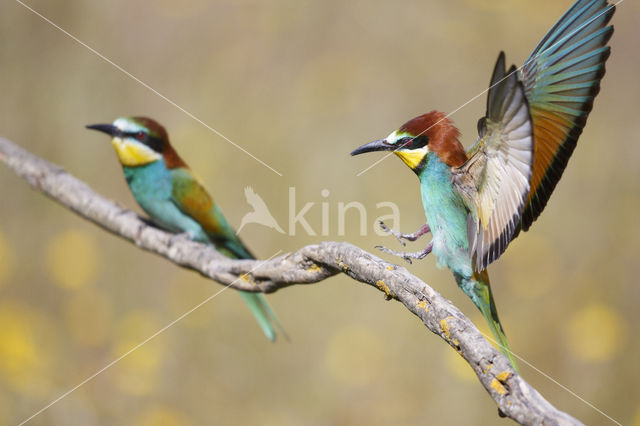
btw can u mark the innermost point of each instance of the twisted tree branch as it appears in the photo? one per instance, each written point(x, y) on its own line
point(514, 397)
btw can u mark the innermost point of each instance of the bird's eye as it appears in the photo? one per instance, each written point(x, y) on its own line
point(140, 135)
point(405, 142)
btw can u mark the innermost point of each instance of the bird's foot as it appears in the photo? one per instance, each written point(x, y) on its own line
point(409, 237)
point(408, 255)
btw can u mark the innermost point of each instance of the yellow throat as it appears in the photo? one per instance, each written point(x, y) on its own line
point(133, 154)
point(412, 158)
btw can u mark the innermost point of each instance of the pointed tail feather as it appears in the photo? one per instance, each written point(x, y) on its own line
point(479, 290)
point(264, 314)
point(272, 316)
point(232, 247)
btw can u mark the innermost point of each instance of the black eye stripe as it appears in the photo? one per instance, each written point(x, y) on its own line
point(405, 142)
point(413, 143)
point(152, 142)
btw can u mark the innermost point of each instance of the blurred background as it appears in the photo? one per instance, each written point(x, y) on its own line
point(299, 84)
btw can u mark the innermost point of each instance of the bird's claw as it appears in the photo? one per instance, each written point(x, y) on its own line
point(393, 232)
point(408, 255)
point(401, 237)
point(394, 253)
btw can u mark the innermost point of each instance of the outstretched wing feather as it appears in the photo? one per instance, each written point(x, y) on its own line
point(494, 182)
point(561, 79)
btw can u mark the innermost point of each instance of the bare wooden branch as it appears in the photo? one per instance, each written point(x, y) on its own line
point(514, 397)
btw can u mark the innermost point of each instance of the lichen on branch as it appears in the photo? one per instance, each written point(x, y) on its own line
point(514, 397)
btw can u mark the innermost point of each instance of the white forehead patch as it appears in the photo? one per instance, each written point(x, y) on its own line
point(392, 137)
point(127, 125)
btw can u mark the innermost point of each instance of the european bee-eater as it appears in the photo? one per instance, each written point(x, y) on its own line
point(477, 201)
point(175, 200)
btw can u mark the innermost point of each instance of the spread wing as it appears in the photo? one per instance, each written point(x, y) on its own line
point(194, 201)
point(494, 182)
point(561, 79)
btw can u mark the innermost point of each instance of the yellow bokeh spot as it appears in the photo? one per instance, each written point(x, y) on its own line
point(72, 258)
point(6, 258)
point(458, 366)
point(355, 355)
point(636, 421)
point(161, 416)
point(88, 317)
point(23, 361)
point(137, 372)
point(596, 333)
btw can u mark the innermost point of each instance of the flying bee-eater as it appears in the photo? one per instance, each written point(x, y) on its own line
point(166, 189)
point(477, 201)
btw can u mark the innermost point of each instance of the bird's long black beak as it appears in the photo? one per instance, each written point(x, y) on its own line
point(379, 145)
point(105, 128)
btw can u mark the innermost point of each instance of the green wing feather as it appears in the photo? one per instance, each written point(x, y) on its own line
point(194, 201)
point(561, 79)
point(558, 82)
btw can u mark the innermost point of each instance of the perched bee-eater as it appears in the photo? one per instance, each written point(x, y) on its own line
point(175, 200)
point(477, 201)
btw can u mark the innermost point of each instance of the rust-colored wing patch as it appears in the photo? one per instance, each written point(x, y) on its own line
point(561, 79)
